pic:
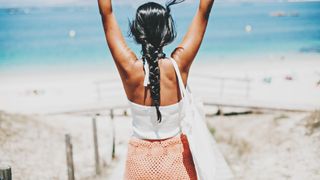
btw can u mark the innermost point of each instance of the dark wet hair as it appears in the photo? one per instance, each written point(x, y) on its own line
point(154, 28)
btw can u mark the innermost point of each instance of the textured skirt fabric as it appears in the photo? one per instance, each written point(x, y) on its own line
point(159, 159)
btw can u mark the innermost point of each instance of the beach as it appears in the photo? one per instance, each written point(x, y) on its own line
point(39, 109)
point(257, 73)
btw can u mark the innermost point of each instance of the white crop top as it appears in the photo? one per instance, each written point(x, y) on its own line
point(145, 123)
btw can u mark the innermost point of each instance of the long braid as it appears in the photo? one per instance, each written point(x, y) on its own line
point(152, 56)
point(154, 28)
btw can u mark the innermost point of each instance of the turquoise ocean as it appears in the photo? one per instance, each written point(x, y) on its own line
point(73, 36)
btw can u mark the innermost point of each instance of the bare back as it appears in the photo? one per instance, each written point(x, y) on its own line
point(170, 92)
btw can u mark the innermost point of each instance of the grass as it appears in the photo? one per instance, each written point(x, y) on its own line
point(313, 122)
point(212, 130)
point(280, 117)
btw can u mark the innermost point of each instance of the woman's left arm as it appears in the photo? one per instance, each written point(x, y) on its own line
point(121, 53)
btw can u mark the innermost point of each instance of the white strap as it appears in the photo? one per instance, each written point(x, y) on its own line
point(146, 76)
point(181, 85)
point(176, 68)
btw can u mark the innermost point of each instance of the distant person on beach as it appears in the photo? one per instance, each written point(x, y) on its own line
point(157, 149)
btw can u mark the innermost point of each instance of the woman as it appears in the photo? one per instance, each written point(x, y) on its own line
point(158, 149)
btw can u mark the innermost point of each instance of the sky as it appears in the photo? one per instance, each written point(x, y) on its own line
point(28, 3)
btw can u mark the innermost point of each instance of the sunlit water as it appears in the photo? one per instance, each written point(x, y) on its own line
point(73, 36)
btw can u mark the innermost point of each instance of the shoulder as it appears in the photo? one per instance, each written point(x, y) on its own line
point(177, 55)
point(166, 64)
point(167, 68)
point(133, 73)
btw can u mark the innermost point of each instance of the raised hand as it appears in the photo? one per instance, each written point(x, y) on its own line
point(185, 53)
point(205, 7)
point(121, 53)
point(105, 7)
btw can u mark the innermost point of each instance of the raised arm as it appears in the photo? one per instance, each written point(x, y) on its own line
point(185, 53)
point(122, 55)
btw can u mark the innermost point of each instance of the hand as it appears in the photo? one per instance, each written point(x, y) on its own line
point(186, 52)
point(105, 7)
point(205, 7)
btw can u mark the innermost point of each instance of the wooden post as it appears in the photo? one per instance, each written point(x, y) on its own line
point(111, 114)
point(5, 172)
point(96, 147)
point(113, 135)
point(125, 113)
point(70, 167)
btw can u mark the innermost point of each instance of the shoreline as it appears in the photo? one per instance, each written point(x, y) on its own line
point(200, 61)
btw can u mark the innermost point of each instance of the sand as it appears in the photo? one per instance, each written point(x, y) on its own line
point(257, 146)
point(34, 146)
point(269, 146)
point(290, 83)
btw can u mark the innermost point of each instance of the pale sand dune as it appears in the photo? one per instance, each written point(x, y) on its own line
point(34, 146)
point(270, 146)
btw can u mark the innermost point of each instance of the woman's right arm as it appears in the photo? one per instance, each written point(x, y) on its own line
point(185, 53)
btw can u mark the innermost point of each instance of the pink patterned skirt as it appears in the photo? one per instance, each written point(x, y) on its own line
point(159, 159)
